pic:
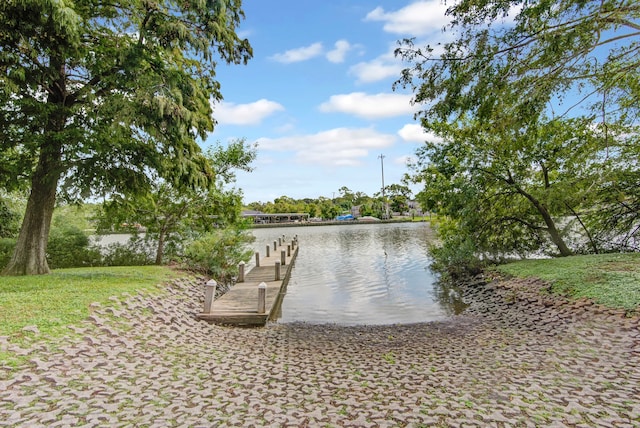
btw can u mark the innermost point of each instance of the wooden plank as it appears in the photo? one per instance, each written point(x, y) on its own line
point(239, 306)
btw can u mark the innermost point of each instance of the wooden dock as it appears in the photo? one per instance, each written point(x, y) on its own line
point(239, 306)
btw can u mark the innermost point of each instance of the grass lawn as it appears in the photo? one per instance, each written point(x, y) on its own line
point(52, 302)
point(610, 279)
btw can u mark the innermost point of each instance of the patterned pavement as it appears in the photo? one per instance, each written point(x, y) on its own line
point(514, 358)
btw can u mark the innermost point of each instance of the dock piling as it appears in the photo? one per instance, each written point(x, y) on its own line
point(277, 266)
point(268, 248)
point(283, 257)
point(262, 297)
point(241, 272)
point(209, 295)
point(257, 259)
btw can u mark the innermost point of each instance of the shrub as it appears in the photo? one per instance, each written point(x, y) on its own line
point(218, 254)
point(68, 247)
point(457, 256)
point(9, 221)
point(137, 251)
point(6, 250)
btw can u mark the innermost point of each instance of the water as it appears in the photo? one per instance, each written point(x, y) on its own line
point(361, 274)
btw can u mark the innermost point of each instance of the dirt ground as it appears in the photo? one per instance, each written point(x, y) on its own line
point(515, 357)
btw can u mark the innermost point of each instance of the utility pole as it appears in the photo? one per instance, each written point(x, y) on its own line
point(384, 199)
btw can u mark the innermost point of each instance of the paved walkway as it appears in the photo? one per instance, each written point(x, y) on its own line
point(514, 359)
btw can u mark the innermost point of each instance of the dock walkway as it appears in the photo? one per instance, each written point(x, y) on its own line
point(239, 306)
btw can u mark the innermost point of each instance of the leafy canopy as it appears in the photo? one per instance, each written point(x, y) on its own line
point(115, 89)
point(172, 215)
point(535, 106)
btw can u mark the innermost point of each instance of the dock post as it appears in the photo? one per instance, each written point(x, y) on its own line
point(257, 259)
point(241, 272)
point(289, 250)
point(283, 257)
point(277, 265)
point(279, 241)
point(275, 245)
point(268, 248)
point(209, 295)
point(262, 297)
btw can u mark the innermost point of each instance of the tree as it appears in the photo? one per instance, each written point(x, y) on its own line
point(328, 210)
point(508, 195)
point(536, 114)
point(171, 214)
point(399, 196)
point(97, 97)
point(312, 210)
point(360, 198)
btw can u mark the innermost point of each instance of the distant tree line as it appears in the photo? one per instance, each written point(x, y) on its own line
point(397, 196)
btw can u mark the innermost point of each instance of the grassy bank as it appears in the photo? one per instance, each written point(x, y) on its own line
point(51, 302)
point(609, 279)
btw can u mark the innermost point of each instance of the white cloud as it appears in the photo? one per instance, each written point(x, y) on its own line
point(299, 54)
point(287, 127)
point(342, 47)
point(415, 133)
point(416, 19)
point(245, 114)
point(335, 147)
point(382, 67)
point(369, 106)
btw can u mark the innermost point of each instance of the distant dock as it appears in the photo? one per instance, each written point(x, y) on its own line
point(257, 296)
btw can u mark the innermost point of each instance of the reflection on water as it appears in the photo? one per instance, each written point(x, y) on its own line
point(362, 274)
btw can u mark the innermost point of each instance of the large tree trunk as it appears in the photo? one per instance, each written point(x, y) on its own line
point(29, 256)
point(553, 231)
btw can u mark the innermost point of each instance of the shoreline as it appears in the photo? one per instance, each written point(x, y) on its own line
point(333, 223)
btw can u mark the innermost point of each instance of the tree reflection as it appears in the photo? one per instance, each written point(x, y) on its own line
point(449, 296)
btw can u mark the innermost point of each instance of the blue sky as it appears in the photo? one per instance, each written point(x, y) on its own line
point(317, 96)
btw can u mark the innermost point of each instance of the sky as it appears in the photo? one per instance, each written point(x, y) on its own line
point(317, 95)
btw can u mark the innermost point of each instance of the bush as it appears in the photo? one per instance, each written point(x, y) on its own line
point(6, 250)
point(9, 221)
point(69, 247)
point(218, 254)
point(457, 256)
point(135, 252)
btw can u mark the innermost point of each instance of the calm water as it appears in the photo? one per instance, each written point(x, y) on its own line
point(361, 274)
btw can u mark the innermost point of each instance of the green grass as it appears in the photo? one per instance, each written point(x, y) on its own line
point(52, 302)
point(609, 279)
